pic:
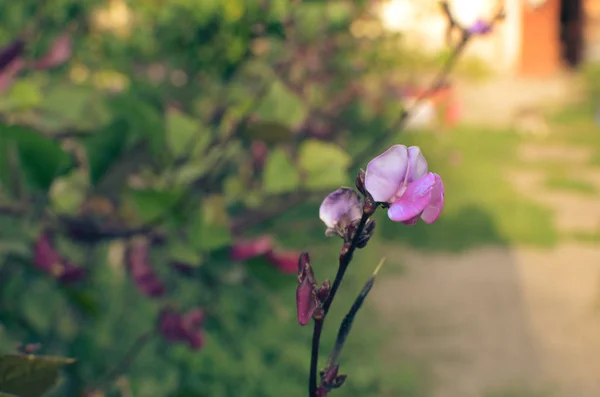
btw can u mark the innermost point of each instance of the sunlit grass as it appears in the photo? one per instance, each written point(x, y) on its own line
point(570, 184)
point(481, 206)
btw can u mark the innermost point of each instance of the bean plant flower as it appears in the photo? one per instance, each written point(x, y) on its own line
point(340, 209)
point(400, 179)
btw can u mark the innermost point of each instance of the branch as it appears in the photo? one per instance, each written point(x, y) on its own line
point(345, 259)
point(436, 83)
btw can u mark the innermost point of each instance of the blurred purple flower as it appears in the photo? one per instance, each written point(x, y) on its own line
point(183, 327)
point(284, 261)
point(480, 27)
point(399, 177)
point(141, 270)
point(48, 260)
point(263, 246)
point(59, 53)
point(11, 53)
point(340, 208)
point(251, 248)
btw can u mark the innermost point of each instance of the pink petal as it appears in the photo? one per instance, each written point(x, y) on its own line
point(412, 221)
point(247, 249)
point(417, 165)
point(436, 204)
point(414, 200)
point(284, 261)
point(386, 173)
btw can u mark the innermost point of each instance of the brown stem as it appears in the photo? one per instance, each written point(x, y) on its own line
point(345, 259)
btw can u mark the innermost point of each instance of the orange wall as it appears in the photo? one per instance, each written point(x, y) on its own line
point(540, 49)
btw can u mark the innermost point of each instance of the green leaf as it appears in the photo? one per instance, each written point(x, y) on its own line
point(67, 193)
point(279, 175)
point(210, 226)
point(41, 158)
point(269, 131)
point(23, 94)
point(144, 119)
point(184, 253)
point(30, 376)
point(185, 135)
point(325, 164)
point(282, 106)
point(151, 204)
point(104, 147)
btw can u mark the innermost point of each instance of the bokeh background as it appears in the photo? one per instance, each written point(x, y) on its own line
point(144, 142)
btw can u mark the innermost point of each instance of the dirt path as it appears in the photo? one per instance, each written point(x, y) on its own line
point(499, 320)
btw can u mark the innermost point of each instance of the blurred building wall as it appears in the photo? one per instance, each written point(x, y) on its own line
point(526, 43)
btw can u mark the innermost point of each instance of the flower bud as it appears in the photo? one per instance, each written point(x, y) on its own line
point(306, 298)
point(339, 210)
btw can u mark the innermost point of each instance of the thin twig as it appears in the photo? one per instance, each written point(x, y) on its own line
point(436, 83)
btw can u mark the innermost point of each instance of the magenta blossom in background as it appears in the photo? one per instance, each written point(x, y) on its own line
point(245, 249)
point(49, 260)
point(183, 327)
point(142, 273)
point(58, 54)
point(340, 208)
point(284, 261)
point(263, 246)
point(400, 178)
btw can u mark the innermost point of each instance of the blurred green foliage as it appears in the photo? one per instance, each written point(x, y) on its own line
point(152, 129)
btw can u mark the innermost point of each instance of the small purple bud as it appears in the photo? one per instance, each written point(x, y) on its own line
point(339, 210)
point(360, 182)
point(323, 291)
point(306, 301)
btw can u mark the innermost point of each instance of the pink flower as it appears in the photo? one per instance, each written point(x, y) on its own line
point(251, 248)
point(144, 276)
point(58, 54)
point(50, 261)
point(399, 177)
point(284, 261)
point(263, 246)
point(183, 327)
